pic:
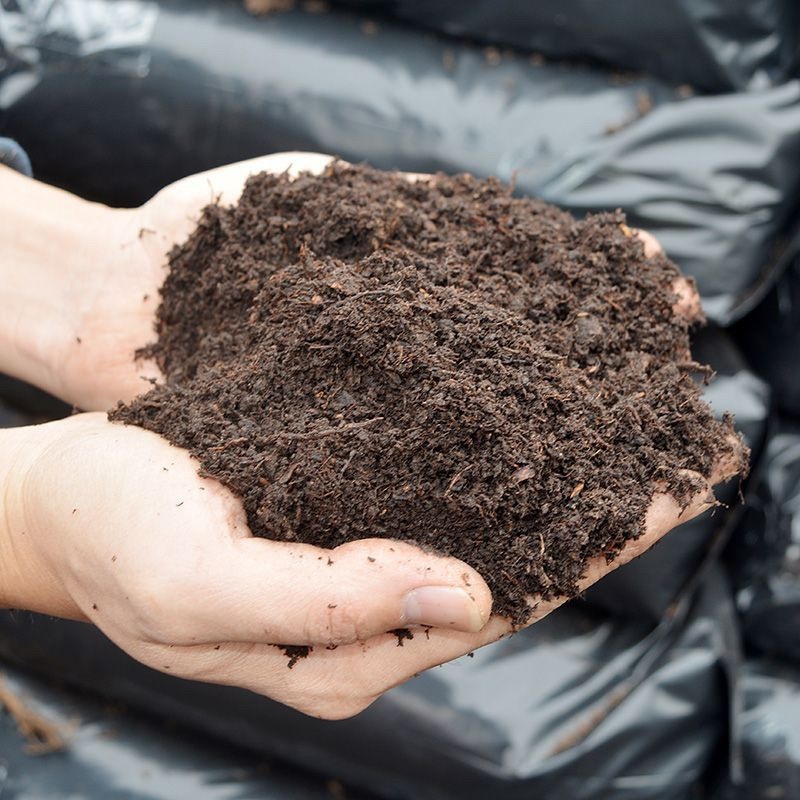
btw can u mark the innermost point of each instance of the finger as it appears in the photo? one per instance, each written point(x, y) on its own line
point(332, 683)
point(337, 683)
point(258, 590)
point(652, 247)
point(729, 460)
point(687, 304)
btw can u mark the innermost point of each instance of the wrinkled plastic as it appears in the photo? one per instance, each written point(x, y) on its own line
point(770, 336)
point(765, 555)
point(580, 705)
point(715, 178)
point(769, 733)
point(714, 45)
point(113, 754)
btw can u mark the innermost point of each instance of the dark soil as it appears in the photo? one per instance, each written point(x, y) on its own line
point(355, 355)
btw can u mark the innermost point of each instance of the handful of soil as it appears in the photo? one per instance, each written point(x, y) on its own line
point(355, 355)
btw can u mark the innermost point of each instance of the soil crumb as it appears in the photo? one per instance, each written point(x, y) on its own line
point(354, 355)
point(294, 652)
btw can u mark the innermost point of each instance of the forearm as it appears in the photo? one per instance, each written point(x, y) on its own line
point(46, 235)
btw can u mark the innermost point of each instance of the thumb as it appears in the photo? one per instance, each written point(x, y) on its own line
point(281, 593)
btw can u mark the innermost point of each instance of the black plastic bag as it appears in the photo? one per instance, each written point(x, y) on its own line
point(769, 733)
point(770, 336)
point(765, 554)
point(580, 705)
point(114, 100)
point(112, 754)
point(715, 45)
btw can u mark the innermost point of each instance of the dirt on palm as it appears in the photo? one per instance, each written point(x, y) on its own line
point(356, 355)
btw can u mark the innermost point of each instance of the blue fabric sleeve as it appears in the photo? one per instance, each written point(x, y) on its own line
point(12, 155)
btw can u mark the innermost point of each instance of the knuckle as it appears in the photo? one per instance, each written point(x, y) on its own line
point(341, 622)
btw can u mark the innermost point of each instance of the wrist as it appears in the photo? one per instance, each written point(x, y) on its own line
point(50, 241)
point(27, 580)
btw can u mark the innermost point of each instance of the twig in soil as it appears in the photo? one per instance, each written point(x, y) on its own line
point(454, 480)
point(41, 734)
point(347, 463)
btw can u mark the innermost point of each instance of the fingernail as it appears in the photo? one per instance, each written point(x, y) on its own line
point(442, 607)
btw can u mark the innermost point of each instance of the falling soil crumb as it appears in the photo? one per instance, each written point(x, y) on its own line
point(294, 652)
point(503, 383)
point(448, 60)
point(368, 27)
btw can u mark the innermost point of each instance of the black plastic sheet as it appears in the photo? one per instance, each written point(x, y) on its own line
point(770, 336)
point(114, 100)
point(769, 733)
point(765, 554)
point(113, 754)
point(581, 705)
point(715, 45)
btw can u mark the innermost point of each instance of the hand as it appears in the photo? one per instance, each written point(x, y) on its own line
point(112, 525)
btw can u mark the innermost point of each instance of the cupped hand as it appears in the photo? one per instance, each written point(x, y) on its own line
point(112, 525)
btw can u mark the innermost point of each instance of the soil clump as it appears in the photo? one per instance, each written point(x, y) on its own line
point(356, 355)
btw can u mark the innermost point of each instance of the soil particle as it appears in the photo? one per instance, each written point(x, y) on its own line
point(358, 355)
point(294, 652)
